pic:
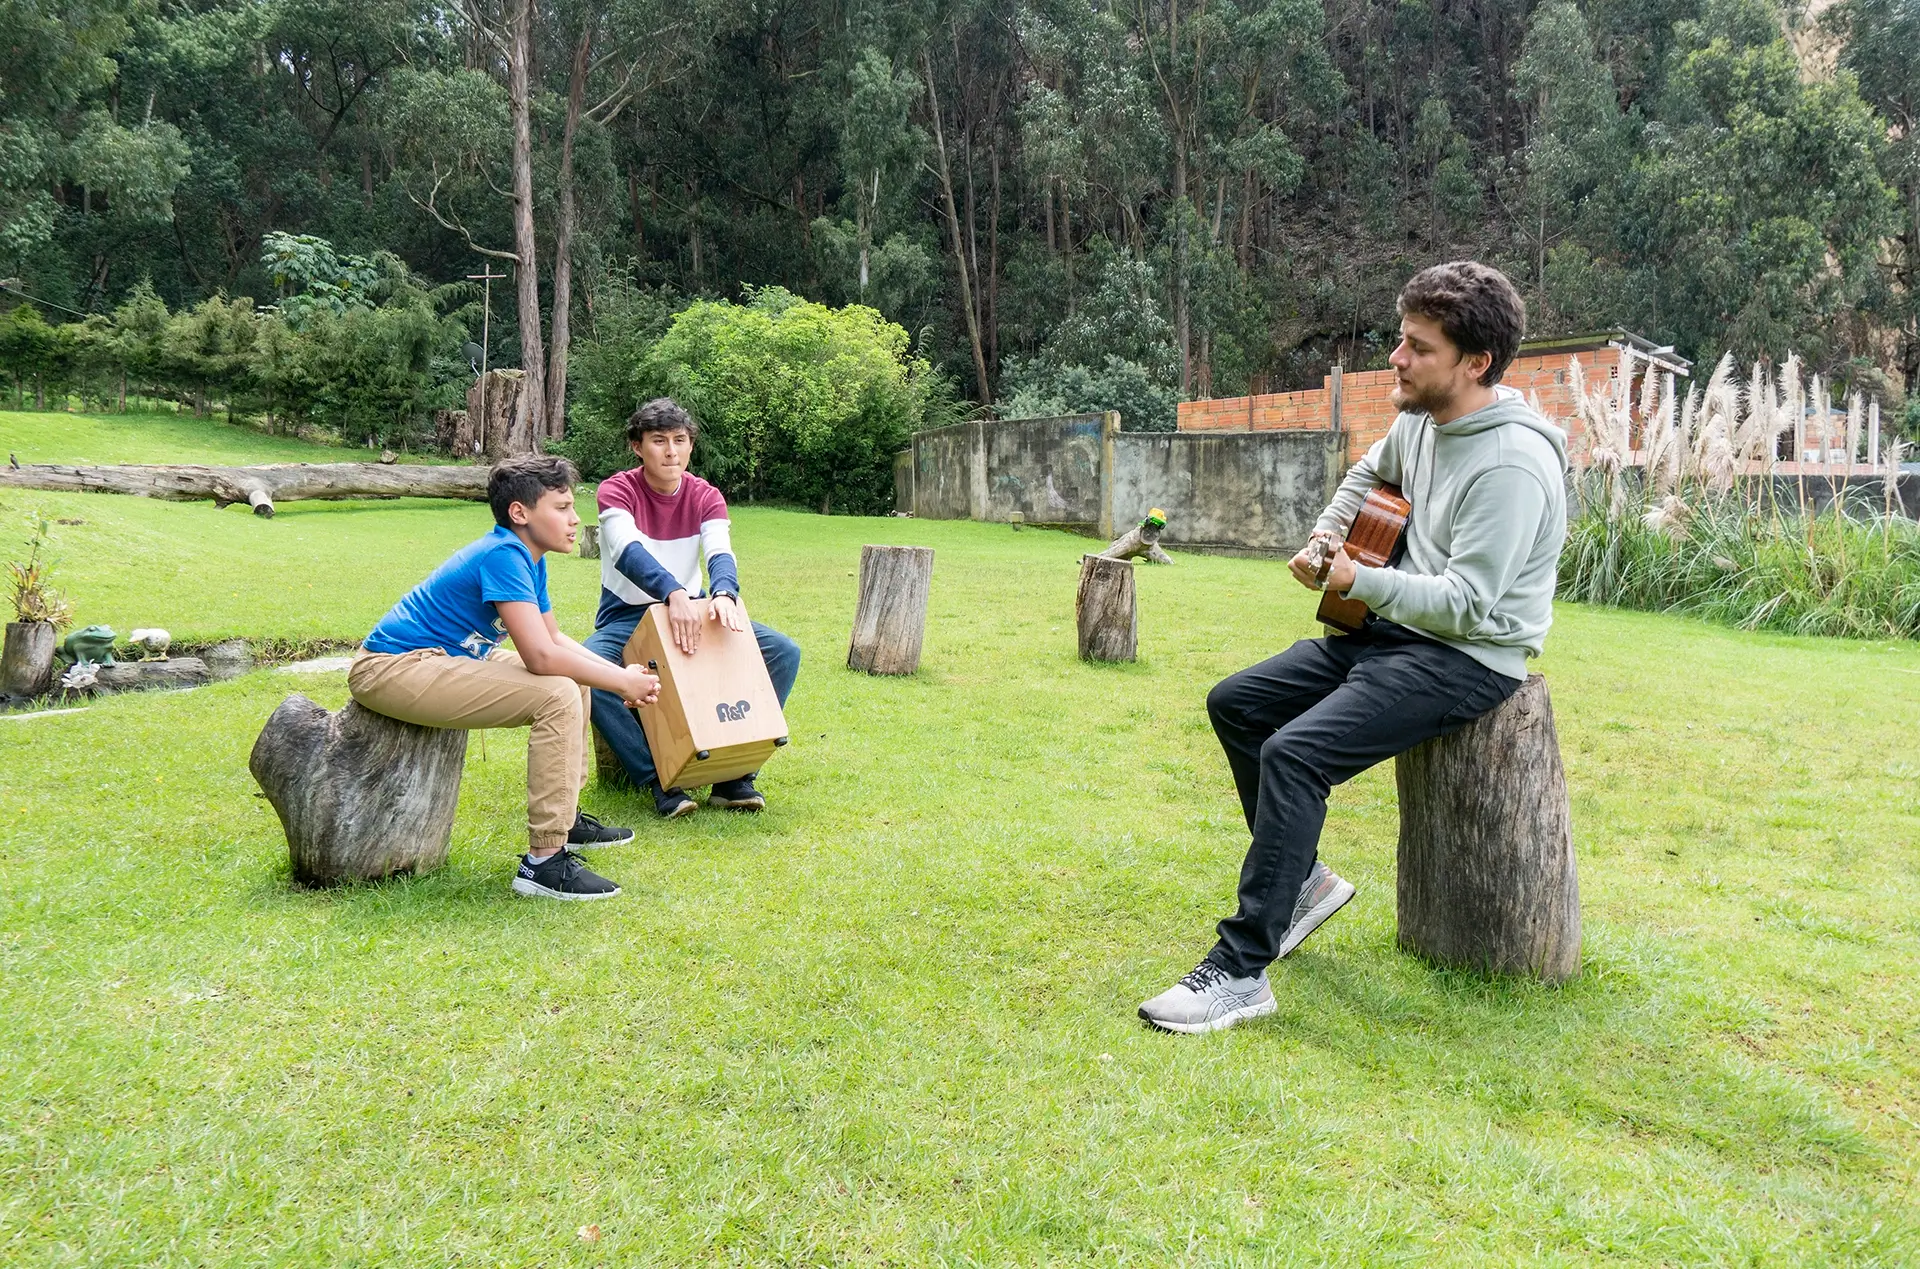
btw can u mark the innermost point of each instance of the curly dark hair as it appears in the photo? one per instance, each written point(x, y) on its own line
point(662, 414)
point(1476, 306)
point(522, 479)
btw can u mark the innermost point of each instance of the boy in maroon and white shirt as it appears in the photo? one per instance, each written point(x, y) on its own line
point(658, 522)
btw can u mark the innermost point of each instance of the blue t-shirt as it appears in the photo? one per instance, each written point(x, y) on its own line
point(454, 609)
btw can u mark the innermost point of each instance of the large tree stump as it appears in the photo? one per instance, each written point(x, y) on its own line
point(1487, 875)
point(890, 621)
point(362, 796)
point(26, 659)
point(607, 765)
point(1104, 610)
point(498, 415)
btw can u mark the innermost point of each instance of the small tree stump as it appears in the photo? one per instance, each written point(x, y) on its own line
point(361, 796)
point(1487, 876)
point(26, 659)
point(890, 621)
point(589, 541)
point(1104, 610)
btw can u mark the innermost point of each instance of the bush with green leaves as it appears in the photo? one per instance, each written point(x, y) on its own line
point(357, 346)
point(797, 402)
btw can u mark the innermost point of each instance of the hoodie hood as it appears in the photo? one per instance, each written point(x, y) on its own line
point(1508, 407)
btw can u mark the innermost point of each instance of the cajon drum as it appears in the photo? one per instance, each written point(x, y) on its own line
point(717, 717)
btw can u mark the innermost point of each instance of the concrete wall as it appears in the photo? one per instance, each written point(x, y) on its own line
point(1258, 492)
point(943, 471)
point(1048, 470)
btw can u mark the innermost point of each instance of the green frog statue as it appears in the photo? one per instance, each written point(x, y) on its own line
point(91, 645)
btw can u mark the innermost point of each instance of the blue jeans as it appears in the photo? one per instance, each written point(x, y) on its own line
point(622, 730)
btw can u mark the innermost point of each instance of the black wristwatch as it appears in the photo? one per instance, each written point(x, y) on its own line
point(724, 594)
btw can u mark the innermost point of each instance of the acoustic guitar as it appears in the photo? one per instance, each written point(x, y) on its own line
point(1372, 540)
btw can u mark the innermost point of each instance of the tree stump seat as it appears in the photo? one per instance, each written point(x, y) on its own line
point(361, 796)
point(1486, 868)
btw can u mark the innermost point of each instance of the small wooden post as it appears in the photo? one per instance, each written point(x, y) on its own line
point(1104, 610)
point(26, 661)
point(361, 796)
point(890, 621)
point(1487, 877)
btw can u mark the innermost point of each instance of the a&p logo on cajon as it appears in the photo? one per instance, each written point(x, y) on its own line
point(717, 717)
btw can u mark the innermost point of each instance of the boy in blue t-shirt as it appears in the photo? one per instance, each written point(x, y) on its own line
point(436, 660)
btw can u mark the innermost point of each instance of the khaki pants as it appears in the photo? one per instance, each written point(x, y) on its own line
point(436, 690)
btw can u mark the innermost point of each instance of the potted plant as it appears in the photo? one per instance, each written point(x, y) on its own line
point(26, 662)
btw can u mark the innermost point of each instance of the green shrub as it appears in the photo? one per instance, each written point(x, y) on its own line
point(797, 402)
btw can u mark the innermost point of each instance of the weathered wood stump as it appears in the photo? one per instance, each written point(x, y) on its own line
point(361, 796)
point(890, 621)
point(1487, 878)
point(1104, 610)
point(26, 659)
point(589, 541)
point(498, 416)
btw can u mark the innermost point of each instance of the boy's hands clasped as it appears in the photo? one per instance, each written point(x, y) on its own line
point(684, 622)
point(639, 687)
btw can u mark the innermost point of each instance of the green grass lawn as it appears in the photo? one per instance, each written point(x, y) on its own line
point(158, 436)
point(891, 1020)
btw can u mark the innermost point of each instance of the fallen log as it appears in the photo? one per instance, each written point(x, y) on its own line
point(259, 487)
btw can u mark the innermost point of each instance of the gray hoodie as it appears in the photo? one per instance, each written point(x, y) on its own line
point(1483, 543)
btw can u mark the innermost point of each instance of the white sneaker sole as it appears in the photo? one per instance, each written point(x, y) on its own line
point(1221, 1023)
point(738, 804)
point(1316, 915)
point(534, 890)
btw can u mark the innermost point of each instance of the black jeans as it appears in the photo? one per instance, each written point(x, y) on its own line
point(1315, 716)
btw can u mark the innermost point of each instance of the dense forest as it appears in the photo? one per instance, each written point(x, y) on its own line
point(1060, 201)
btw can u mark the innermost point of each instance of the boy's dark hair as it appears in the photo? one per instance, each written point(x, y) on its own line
point(1477, 308)
point(522, 479)
point(662, 414)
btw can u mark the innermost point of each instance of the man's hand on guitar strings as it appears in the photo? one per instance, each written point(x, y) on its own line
point(1323, 564)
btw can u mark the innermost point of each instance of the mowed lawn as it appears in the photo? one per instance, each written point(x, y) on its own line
point(890, 1021)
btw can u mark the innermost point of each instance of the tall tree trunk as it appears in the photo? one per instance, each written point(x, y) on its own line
point(959, 238)
point(556, 421)
point(993, 264)
point(526, 247)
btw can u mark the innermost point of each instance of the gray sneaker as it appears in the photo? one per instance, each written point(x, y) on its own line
point(1324, 894)
point(1209, 999)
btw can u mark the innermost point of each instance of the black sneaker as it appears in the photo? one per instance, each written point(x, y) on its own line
point(673, 803)
point(561, 875)
point(737, 795)
point(588, 832)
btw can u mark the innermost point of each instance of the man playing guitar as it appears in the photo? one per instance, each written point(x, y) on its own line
point(1453, 620)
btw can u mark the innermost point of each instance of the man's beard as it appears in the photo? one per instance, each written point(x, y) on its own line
point(1415, 401)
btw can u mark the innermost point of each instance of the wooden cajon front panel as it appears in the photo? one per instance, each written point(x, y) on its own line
point(719, 701)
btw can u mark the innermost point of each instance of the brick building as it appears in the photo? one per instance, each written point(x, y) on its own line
point(1365, 408)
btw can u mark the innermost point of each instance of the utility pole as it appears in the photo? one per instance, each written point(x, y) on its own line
point(486, 280)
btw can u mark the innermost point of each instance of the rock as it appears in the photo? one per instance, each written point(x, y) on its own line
point(319, 665)
point(230, 658)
